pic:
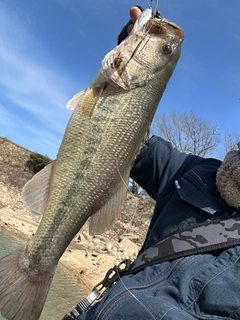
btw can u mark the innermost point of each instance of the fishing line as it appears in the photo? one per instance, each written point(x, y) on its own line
point(142, 304)
point(146, 31)
point(140, 110)
point(132, 218)
point(127, 129)
point(120, 175)
point(137, 119)
point(138, 45)
point(156, 7)
point(118, 170)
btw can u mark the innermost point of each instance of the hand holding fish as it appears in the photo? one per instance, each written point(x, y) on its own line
point(135, 12)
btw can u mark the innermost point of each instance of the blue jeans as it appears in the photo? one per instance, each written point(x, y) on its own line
point(205, 286)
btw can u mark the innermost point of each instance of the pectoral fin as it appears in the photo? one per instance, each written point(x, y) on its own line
point(103, 219)
point(36, 191)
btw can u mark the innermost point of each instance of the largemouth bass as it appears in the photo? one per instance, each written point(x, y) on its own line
point(91, 172)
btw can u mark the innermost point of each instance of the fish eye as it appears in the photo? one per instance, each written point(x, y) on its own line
point(167, 49)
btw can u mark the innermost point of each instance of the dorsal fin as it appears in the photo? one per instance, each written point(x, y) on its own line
point(87, 99)
point(76, 100)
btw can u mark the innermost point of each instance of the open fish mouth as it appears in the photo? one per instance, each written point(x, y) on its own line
point(164, 27)
point(146, 29)
point(173, 29)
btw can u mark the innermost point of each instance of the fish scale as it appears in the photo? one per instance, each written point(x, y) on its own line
point(91, 172)
point(116, 148)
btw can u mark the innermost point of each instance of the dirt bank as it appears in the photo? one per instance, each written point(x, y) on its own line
point(87, 257)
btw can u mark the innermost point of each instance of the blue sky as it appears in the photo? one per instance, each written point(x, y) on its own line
point(51, 49)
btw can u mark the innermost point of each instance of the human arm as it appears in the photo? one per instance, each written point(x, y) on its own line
point(157, 162)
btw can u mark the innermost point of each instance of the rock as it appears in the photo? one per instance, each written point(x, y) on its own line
point(109, 247)
point(86, 236)
point(94, 255)
point(97, 242)
point(101, 238)
point(7, 210)
point(130, 236)
point(130, 248)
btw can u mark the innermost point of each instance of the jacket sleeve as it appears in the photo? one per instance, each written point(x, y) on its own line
point(157, 162)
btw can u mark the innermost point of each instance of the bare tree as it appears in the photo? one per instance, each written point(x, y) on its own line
point(188, 133)
point(231, 141)
point(133, 187)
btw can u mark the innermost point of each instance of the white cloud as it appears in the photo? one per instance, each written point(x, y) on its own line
point(23, 75)
point(31, 81)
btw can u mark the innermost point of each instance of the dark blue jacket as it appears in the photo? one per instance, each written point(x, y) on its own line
point(201, 286)
point(183, 185)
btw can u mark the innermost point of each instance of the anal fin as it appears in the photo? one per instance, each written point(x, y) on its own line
point(103, 219)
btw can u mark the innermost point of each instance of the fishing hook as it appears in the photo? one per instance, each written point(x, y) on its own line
point(155, 13)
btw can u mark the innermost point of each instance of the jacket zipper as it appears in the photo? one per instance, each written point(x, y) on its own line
point(131, 291)
point(199, 178)
point(206, 186)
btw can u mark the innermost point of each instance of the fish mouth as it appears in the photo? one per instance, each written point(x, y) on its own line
point(165, 27)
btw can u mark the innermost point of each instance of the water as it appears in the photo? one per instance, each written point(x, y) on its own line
point(64, 293)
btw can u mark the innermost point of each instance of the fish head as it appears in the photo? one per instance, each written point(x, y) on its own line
point(150, 51)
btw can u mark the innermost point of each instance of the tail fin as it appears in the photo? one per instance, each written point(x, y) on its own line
point(22, 293)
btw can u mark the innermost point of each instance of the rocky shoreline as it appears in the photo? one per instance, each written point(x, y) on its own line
point(87, 257)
